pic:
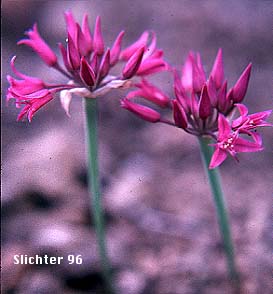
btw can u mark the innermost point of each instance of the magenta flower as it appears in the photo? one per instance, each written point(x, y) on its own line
point(248, 122)
point(31, 92)
point(202, 106)
point(87, 65)
point(229, 142)
point(39, 46)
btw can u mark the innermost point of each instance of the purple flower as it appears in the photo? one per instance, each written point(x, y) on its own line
point(31, 92)
point(249, 122)
point(33, 105)
point(203, 107)
point(39, 46)
point(229, 142)
point(87, 65)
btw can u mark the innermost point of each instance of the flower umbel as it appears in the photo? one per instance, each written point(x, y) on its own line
point(203, 106)
point(87, 64)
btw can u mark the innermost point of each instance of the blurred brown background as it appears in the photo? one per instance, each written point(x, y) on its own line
point(162, 231)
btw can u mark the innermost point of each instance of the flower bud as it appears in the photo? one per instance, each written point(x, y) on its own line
point(217, 72)
point(86, 32)
point(98, 42)
point(223, 101)
point(142, 111)
point(179, 115)
point(115, 50)
point(240, 88)
point(104, 65)
point(73, 55)
point(204, 106)
point(86, 73)
point(133, 64)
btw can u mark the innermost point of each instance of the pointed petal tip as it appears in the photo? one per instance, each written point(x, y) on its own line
point(217, 158)
point(204, 106)
point(220, 52)
point(217, 71)
point(240, 87)
point(133, 63)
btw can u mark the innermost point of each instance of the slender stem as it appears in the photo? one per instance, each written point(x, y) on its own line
point(94, 189)
point(215, 184)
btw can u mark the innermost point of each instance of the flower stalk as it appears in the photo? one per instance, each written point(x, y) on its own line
point(218, 197)
point(94, 188)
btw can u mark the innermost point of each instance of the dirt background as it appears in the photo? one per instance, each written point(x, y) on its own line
point(162, 231)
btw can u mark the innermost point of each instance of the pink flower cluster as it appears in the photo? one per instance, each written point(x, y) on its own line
point(87, 64)
point(203, 107)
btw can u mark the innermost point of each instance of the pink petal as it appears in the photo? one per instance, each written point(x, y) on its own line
point(150, 66)
point(129, 51)
point(217, 158)
point(223, 102)
point(133, 94)
point(133, 64)
point(37, 105)
point(86, 32)
point(37, 43)
point(98, 42)
point(205, 109)
point(23, 112)
point(151, 48)
point(179, 115)
point(180, 93)
point(142, 111)
point(73, 55)
point(82, 45)
point(260, 115)
point(212, 92)
point(115, 50)
point(198, 75)
point(35, 95)
point(223, 128)
point(194, 105)
point(86, 73)
point(64, 56)
point(217, 72)
point(242, 145)
point(94, 63)
point(240, 88)
point(71, 25)
point(186, 78)
point(243, 118)
point(153, 94)
point(104, 65)
point(23, 87)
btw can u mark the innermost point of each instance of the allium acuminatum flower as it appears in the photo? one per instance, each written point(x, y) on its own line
point(87, 63)
point(203, 107)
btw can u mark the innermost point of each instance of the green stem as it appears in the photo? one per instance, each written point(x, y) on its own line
point(94, 189)
point(215, 184)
